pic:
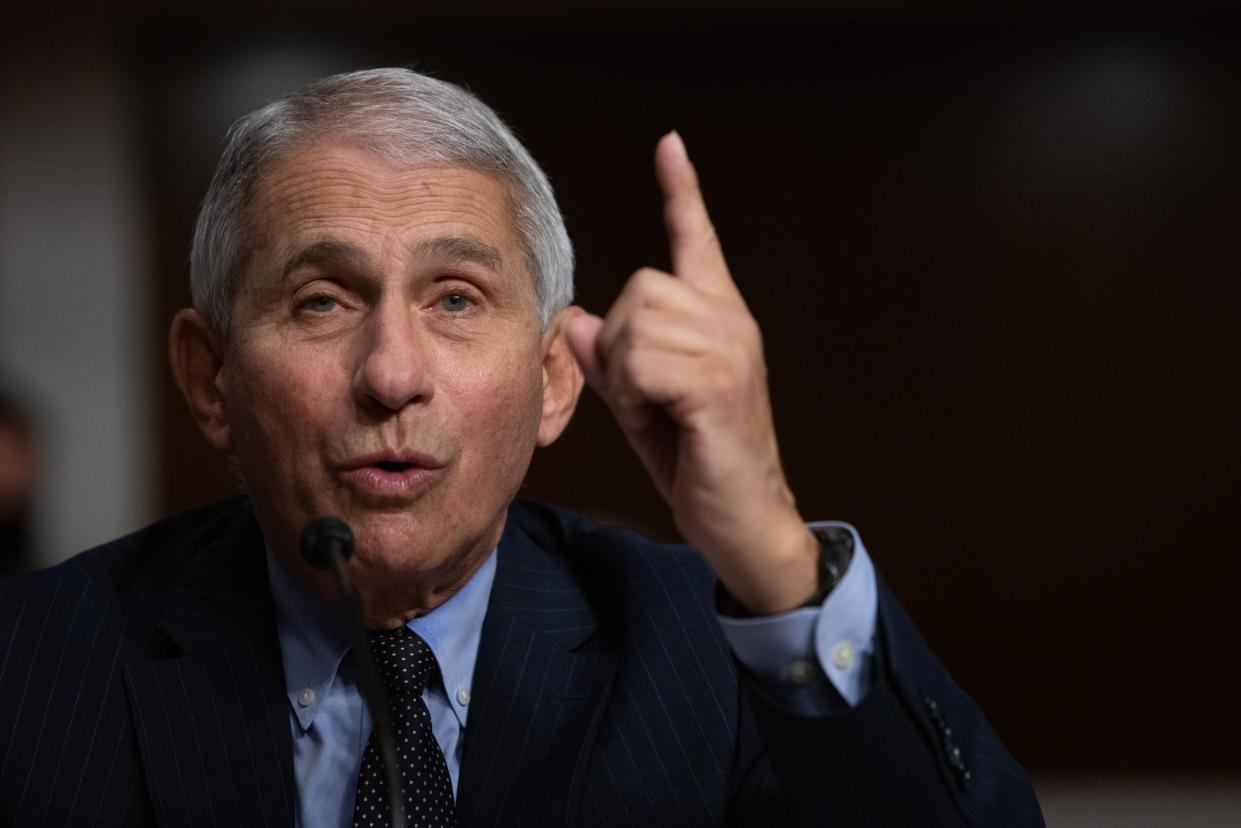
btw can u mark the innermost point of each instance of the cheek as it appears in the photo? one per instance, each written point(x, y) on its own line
point(274, 404)
point(505, 399)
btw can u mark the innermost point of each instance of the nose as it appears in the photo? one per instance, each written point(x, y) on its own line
point(394, 369)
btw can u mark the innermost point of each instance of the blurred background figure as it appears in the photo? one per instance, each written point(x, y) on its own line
point(18, 479)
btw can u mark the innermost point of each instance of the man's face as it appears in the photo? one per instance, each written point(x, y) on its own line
point(385, 362)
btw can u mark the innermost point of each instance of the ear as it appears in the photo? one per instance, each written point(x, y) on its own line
point(196, 354)
point(562, 379)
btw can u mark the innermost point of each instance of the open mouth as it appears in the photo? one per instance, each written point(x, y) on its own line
point(388, 478)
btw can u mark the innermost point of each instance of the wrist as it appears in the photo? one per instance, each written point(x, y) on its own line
point(780, 579)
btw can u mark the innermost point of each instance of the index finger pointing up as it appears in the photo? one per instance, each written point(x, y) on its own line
point(696, 254)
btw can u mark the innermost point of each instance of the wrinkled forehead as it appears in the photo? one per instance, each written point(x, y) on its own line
point(330, 190)
point(297, 175)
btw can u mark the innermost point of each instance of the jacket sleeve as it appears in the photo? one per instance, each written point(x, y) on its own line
point(915, 751)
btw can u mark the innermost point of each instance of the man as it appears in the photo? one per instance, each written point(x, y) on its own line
point(382, 332)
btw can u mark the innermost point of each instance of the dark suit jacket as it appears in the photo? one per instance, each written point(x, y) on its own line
point(141, 682)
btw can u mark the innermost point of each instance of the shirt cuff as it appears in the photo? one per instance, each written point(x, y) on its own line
point(815, 661)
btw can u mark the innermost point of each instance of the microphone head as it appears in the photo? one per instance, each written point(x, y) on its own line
point(322, 537)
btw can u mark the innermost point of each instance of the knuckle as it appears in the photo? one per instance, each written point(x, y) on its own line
point(636, 366)
point(642, 328)
point(646, 284)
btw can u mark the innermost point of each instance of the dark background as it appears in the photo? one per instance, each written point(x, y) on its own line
point(995, 255)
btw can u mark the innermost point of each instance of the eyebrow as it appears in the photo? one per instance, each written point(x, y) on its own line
point(334, 255)
point(340, 255)
point(458, 249)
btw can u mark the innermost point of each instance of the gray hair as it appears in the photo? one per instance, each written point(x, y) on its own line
point(398, 114)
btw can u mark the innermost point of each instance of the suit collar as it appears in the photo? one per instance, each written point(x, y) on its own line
point(219, 587)
point(540, 684)
point(208, 701)
point(536, 582)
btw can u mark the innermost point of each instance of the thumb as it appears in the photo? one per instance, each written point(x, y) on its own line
point(582, 333)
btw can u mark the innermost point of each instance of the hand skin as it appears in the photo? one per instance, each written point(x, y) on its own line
point(679, 360)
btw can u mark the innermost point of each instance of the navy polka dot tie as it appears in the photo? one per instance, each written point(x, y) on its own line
point(406, 664)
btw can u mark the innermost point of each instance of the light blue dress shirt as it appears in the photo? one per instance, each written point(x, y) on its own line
point(814, 661)
point(329, 719)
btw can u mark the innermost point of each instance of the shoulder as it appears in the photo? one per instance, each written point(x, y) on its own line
point(631, 582)
point(120, 586)
point(579, 540)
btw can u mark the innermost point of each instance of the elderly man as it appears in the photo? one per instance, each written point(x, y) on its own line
point(382, 332)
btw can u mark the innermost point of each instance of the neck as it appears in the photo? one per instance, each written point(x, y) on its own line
point(393, 599)
point(390, 598)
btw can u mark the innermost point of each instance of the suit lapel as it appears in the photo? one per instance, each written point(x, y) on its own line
point(211, 710)
point(541, 681)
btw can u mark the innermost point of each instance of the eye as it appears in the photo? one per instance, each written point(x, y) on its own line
point(455, 302)
point(319, 303)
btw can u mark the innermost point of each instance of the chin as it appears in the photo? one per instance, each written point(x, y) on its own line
point(394, 546)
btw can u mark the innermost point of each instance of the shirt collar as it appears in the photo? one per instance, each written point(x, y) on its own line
point(313, 641)
point(453, 630)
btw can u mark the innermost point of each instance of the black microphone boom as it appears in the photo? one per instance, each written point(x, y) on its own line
point(327, 543)
point(324, 537)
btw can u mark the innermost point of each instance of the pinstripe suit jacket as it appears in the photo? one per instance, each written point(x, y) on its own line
point(140, 683)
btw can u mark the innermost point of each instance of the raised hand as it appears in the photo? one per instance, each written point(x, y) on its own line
point(679, 360)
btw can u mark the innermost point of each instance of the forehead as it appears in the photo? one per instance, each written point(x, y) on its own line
point(332, 190)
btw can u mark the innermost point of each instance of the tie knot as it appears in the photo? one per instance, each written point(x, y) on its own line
point(404, 660)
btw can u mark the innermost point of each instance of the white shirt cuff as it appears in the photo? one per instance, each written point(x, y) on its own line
point(791, 654)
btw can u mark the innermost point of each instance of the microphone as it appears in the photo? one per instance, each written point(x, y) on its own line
point(327, 543)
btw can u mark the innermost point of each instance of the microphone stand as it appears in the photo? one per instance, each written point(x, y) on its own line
point(327, 543)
